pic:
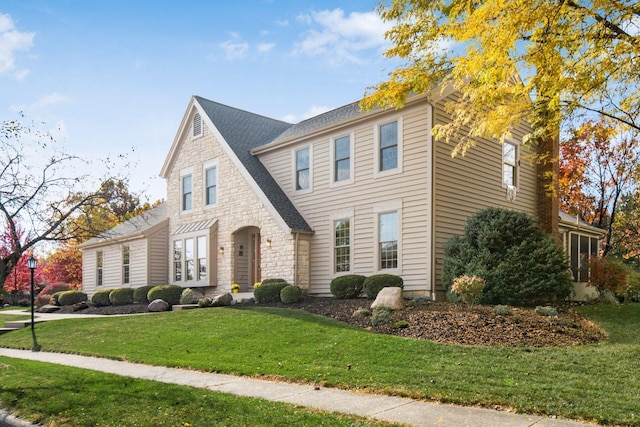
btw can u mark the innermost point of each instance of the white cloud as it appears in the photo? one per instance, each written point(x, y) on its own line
point(342, 37)
point(265, 47)
point(43, 102)
point(12, 41)
point(234, 48)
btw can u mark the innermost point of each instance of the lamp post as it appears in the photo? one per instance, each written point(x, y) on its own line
point(32, 263)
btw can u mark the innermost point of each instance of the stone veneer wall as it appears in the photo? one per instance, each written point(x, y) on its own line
point(237, 207)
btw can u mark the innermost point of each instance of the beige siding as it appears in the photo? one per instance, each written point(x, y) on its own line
point(465, 185)
point(158, 249)
point(409, 191)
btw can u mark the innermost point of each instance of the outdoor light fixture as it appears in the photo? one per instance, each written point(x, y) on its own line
point(268, 243)
point(221, 250)
point(32, 263)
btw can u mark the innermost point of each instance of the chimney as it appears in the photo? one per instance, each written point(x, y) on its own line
point(547, 186)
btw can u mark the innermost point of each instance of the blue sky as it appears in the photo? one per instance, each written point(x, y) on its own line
point(109, 77)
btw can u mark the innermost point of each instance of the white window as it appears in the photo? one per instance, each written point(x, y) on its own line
point(177, 260)
point(187, 192)
point(342, 245)
point(99, 265)
point(202, 257)
point(211, 185)
point(302, 162)
point(388, 147)
point(190, 259)
point(197, 125)
point(342, 156)
point(126, 256)
point(580, 250)
point(509, 164)
point(388, 240)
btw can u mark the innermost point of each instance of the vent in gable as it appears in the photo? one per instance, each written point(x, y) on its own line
point(197, 125)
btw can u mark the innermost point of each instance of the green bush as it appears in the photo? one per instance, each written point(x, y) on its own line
point(361, 312)
point(121, 296)
point(168, 293)
point(71, 297)
point(140, 294)
point(101, 298)
point(502, 310)
point(419, 301)
point(271, 281)
point(401, 324)
point(374, 284)
point(290, 294)
point(631, 291)
point(519, 263)
point(347, 287)
point(268, 292)
point(381, 316)
point(204, 302)
point(608, 297)
point(546, 311)
point(187, 296)
point(55, 298)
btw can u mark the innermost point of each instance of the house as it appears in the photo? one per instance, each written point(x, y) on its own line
point(345, 192)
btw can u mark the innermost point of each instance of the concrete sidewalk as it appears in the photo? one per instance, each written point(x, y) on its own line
point(395, 409)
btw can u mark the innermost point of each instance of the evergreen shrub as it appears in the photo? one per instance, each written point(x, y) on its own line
point(290, 294)
point(519, 263)
point(269, 292)
point(187, 296)
point(347, 287)
point(101, 298)
point(381, 316)
point(374, 284)
point(168, 293)
point(71, 297)
point(140, 294)
point(121, 296)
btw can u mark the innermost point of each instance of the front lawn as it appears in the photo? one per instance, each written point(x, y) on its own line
point(593, 382)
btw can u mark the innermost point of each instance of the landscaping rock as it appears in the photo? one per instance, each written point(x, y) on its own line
point(221, 300)
point(48, 308)
point(80, 306)
point(158, 305)
point(389, 297)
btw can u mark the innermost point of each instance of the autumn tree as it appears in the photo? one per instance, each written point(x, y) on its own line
point(598, 167)
point(36, 181)
point(64, 265)
point(538, 61)
point(625, 239)
point(20, 279)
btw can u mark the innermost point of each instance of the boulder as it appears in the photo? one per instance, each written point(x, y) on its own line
point(158, 305)
point(221, 300)
point(390, 297)
point(80, 306)
point(48, 308)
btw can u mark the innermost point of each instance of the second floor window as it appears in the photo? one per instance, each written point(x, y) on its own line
point(211, 185)
point(303, 169)
point(509, 164)
point(388, 146)
point(187, 192)
point(342, 166)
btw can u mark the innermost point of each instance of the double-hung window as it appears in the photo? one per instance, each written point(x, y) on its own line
point(187, 192)
point(342, 245)
point(388, 240)
point(211, 185)
point(303, 168)
point(509, 164)
point(126, 258)
point(388, 146)
point(342, 159)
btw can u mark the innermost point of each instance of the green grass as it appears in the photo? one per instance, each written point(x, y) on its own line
point(57, 395)
point(594, 382)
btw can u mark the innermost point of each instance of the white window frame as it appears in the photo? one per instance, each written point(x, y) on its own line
point(333, 182)
point(515, 165)
point(294, 169)
point(378, 210)
point(99, 268)
point(377, 173)
point(205, 167)
point(183, 174)
point(345, 214)
point(126, 265)
point(196, 279)
point(196, 123)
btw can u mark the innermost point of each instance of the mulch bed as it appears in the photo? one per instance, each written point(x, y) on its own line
point(445, 322)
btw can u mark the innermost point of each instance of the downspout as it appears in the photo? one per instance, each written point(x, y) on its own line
point(295, 258)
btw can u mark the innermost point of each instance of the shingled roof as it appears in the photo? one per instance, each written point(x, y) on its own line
point(244, 131)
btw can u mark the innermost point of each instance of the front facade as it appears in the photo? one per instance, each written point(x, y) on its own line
point(346, 192)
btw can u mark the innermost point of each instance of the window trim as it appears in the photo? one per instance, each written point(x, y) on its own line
point(515, 165)
point(197, 118)
point(206, 166)
point(385, 208)
point(333, 182)
point(343, 214)
point(126, 266)
point(294, 160)
point(196, 278)
point(377, 173)
point(184, 173)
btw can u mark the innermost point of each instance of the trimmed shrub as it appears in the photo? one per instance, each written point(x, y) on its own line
point(502, 310)
point(374, 284)
point(55, 287)
point(290, 294)
point(546, 311)
point(205, 302)
point(42, 300)
point(271, 281)
point(71, 297)
point(361, 312)
point(347, 287)
point(269, 292)
point(419, 301)
point(401, 324)
point(187, 296)
point(140, 294)
point(101, 298)
point(54, 298)
point(519, 263)
point(607, 273)
point(168, 293)
point(381, 316)
point(121, 296)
